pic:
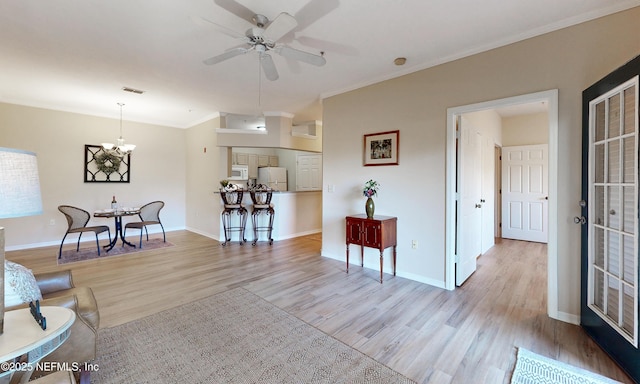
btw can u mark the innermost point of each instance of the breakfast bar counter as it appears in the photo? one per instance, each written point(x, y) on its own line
point(296, 214)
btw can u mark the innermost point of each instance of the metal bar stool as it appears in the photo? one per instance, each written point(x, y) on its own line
point(232, 199)
point(261, 197)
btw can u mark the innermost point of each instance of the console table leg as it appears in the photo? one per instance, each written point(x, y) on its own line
point(394, 260)
point(347, 257)
point(381, 261)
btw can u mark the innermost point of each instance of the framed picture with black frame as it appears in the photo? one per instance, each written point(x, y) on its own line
point(382, 148)
point(102, 166)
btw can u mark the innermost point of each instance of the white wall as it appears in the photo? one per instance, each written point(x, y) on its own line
point(569, 60)
point(525, 129)
point(58, 139)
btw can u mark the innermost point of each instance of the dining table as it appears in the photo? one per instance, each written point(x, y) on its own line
point(117, 214)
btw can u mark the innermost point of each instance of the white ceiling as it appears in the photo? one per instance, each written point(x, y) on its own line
point(77, 55)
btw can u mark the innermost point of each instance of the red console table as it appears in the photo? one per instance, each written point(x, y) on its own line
point(379, 233)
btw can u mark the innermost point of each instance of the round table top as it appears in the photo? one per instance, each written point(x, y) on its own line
point(23, 334)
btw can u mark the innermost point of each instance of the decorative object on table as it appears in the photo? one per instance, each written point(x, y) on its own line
point(149, 215)
point(382, 148)
point(34, 307)
point(224, 183)
point(534, 368)
point(370, 189)
point(120, 148)
point(20, 287)
point(19, 196)
point(114, 203)
point(103, 166)
point(77, 219)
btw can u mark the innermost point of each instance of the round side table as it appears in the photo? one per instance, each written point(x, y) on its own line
point(23, 336)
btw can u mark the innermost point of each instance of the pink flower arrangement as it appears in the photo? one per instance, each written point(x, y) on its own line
point(370, 188)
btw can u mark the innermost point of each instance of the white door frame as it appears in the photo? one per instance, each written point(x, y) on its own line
point(551, 97)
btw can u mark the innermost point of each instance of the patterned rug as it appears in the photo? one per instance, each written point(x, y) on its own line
point(532, 368)
point(71, 256)
point(231, 337)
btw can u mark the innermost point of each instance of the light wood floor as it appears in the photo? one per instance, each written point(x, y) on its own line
point(430, 335)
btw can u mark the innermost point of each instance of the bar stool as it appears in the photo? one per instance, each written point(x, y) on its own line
point(261, 197)
point(232, 199)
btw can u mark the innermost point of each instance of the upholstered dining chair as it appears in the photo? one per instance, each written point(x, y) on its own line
point(77, 220)
point(149, 215)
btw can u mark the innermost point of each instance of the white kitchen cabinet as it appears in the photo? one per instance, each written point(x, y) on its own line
point(263, 160)
point(309, 173)
point(274, 161)
point(252, 160)
point(243, 158)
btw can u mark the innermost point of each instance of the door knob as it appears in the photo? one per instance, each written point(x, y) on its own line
point(580, 220)
point(478, 205)
point(582, 203)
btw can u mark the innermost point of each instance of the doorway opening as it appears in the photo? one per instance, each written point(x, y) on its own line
point(453, 198)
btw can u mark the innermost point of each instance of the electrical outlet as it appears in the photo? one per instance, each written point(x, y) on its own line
point(414, 244)
point(52, 222)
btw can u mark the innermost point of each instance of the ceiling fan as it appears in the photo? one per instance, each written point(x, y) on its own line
point(263, 38)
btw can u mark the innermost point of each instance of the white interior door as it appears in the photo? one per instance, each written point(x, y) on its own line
point(469, 242)
point(525, 188)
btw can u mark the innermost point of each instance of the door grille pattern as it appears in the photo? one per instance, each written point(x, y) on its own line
point(613, 223)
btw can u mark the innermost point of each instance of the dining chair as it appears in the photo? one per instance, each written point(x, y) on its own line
point(149, 215)
point(77, 220)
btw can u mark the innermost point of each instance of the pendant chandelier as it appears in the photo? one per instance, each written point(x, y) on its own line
point(120, 149)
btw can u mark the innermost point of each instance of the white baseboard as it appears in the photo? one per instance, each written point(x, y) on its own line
point(298, 234)
point(85, 239)
point(568, 318)
point(375, 267)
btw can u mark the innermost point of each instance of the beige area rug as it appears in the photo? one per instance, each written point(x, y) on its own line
point(86, 253)
point(532, 368)
point(231, 337)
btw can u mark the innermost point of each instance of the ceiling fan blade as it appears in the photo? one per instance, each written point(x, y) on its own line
point(227, 55)
point(314, 10)
point(269, 68)
point(203, 22)
point(296, 54)
point(283, 24)
point(237, 9)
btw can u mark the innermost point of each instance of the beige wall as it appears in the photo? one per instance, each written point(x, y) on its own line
point(58, 139)
point(203, 172)
point(525, 129)
point(569, 60)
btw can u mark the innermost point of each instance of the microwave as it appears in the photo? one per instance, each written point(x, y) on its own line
point(239, 172)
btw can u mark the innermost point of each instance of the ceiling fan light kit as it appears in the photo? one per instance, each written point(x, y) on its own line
point(263, 38)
